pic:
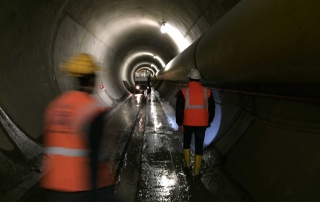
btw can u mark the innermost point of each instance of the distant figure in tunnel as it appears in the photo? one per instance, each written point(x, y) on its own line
point(74, 125)
point(195, 109)
point(149, 88)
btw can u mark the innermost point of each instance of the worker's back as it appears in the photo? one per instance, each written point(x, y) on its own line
point(66, 144)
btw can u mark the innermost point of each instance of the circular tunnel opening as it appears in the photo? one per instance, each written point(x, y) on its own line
point(139, 62)
point(142, 80)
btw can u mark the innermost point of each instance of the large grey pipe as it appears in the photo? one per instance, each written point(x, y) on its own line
point(258, 41)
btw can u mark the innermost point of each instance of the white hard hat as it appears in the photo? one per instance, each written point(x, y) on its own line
point(194, 74)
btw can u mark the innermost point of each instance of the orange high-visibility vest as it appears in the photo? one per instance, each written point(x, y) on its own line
point(67, 145)
point(196, 105)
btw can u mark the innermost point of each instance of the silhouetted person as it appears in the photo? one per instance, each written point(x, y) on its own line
point(149, 88)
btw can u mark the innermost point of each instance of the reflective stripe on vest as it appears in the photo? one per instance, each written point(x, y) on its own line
point(196, 105)
point(67, 145)
point(66, 151)
point(204, 106)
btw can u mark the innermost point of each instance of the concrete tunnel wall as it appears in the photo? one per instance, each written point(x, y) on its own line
point(42, 34)
point(269, 144)
point(39, 35)
point(269, 148)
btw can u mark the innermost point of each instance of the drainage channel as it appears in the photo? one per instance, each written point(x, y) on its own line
point(129, 173)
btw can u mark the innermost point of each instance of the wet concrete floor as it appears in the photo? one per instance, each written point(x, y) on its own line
point(143, 142)
point(162, 177)
point(153, 168)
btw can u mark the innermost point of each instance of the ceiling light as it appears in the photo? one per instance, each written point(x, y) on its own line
point(163, 27)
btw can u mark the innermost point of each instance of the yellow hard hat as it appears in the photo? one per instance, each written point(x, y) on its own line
point(80, 65)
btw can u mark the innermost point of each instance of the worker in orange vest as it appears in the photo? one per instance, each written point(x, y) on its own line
point(73, 128)
point(195, 110)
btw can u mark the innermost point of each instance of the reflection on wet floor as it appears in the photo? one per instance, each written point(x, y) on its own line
point(137, 98)
point(162, 177)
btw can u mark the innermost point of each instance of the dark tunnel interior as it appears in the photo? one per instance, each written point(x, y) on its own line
point(259, 57)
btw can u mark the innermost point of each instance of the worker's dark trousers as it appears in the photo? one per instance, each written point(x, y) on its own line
point(199, 133)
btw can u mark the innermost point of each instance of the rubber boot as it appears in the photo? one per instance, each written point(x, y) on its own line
point(187, 158)
point(197, 164)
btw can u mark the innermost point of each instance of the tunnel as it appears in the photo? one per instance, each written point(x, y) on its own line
point(260, 58)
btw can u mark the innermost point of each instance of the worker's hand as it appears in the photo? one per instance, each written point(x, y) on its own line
point(181, 128)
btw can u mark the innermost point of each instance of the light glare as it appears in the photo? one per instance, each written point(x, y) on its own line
point(163, 28)
point(176, 35)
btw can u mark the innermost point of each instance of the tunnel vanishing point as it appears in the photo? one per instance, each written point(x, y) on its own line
point(260, 57)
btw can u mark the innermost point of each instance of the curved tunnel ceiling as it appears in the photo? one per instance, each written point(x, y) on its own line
point(126, 29)
point(122, 35)
point(129, 28)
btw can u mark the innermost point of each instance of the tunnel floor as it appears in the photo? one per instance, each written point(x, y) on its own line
point(147, 151)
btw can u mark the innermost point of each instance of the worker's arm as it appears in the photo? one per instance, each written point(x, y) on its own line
point(211, 108)
point(95, 135)
point(180, 102)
